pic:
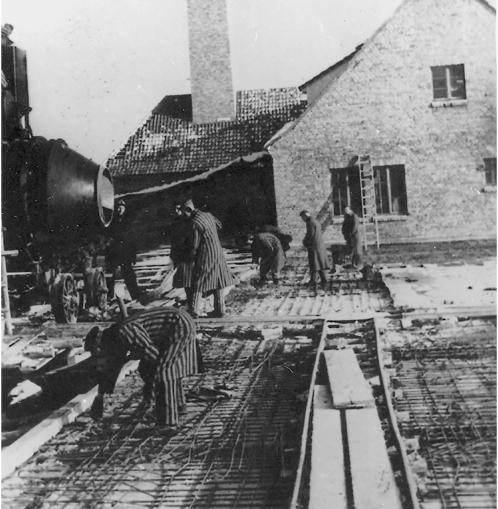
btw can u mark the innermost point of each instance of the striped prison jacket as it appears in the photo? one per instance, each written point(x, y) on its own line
point(164, 339)
point(211, 270)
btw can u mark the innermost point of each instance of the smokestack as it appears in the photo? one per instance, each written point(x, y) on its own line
point(210, 70)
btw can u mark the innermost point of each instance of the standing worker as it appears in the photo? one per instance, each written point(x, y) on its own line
point(122, 252)
point(179, 253)
point(268, 251)
point(210, 270)
point(351, 233)
point(317, 254)
point(164, 339)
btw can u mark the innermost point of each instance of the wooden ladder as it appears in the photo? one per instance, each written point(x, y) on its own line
point(368, 204)
point(5, 291)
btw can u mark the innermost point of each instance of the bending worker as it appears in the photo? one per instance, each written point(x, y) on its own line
point(164, 339)
point(268, 251)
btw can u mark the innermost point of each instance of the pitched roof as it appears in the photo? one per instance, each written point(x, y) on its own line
point(165, 144)
point(349, 60)
point(333, 67)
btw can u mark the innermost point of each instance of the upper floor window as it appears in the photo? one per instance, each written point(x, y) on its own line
point(490, 170)
point(448, 82)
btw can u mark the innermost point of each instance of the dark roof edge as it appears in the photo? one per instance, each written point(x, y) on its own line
point(249, 158)
point(331, 68)
point(488, 4)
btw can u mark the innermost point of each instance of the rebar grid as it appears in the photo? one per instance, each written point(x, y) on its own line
point(346, 293)
point(445, 396)
point(235, 452)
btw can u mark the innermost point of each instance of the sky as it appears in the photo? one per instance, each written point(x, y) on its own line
point(97, 68)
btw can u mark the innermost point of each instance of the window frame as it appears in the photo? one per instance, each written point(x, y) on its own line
point(349, 197)
point(448, 76)
point(388, 171)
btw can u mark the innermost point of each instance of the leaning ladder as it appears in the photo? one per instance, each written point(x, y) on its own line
point(5, 292)
point(368, 205)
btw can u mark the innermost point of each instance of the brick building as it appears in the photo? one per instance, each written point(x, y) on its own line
point(419, 98)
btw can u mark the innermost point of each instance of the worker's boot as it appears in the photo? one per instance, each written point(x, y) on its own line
point(219, 304)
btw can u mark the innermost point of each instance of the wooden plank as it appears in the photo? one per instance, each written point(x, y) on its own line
point(328, 478)
point(305, 435)
point(347, 383)
point(24, 447)
point(372, 476)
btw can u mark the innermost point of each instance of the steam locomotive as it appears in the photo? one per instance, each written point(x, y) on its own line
point(56, 206)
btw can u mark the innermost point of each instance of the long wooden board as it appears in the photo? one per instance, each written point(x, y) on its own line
point(327, 480)
point(347, 383)
point(372, 476)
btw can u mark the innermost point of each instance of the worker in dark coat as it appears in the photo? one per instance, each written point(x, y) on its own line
point(122, 252)
point(268, 252)
point(179, 253)
point(210, 269)
point(164, 339)
point(317, 254)
point(284, 238)
point(351, 233)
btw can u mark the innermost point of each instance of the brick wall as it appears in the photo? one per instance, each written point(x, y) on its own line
point(381, 106)
point(210, 71)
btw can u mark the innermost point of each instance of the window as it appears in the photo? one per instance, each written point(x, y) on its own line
point(448, 82)
point(490, 170)
point(346, 190)
point(390, 190)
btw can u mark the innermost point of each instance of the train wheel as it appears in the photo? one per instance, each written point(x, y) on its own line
point(99, 289)
point(65, 300)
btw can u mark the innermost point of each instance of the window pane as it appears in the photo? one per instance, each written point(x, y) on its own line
point(381, 190)
point(438, 72)
point(354, 190)
point(339, 190)
point(398, 190)
point(457, 82)
point(490, 168)
point(440, 93)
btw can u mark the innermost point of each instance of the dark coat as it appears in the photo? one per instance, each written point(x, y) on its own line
point(313, 242)
point(351, 233)
point(284, 238)
point(123, 248)
point(210, 271)
point(268, 248)
point(179, 236)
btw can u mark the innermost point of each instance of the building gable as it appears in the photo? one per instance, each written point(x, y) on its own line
point(384, 106)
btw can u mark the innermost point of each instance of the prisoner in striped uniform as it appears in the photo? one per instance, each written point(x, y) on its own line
point(164, 339)
point(268, 252)
point(211, 273)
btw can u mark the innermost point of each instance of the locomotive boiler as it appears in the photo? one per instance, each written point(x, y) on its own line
point(56, 205)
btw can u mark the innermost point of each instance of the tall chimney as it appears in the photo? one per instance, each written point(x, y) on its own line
point(210, 70)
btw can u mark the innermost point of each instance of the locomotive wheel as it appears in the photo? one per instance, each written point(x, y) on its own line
point(65, 301)
point(99, 289)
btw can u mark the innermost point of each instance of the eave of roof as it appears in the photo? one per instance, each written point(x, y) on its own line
point(333, 67)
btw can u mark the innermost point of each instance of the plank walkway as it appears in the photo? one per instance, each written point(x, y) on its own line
point(347, 383)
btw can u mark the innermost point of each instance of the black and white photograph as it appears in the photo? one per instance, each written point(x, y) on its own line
point(248, 254)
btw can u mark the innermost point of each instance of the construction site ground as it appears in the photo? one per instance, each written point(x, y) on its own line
point(432, 315)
